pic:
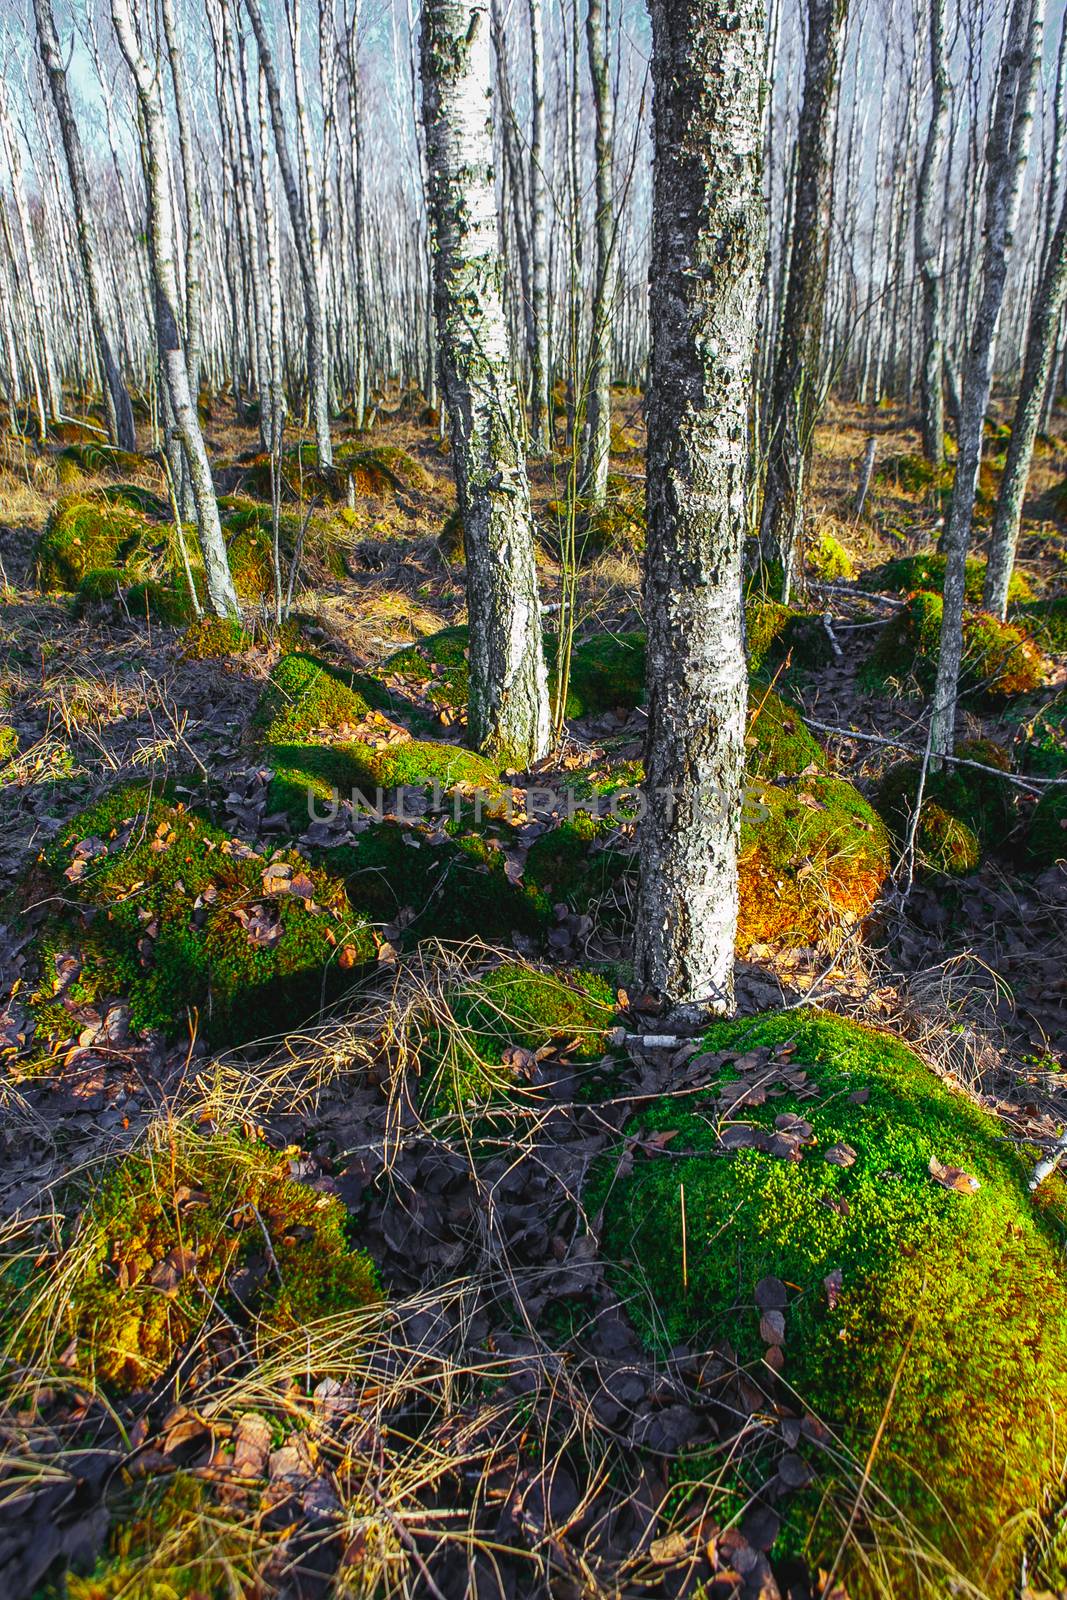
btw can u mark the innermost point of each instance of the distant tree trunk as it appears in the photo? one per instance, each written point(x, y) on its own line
point(1006, 158)
point(598, 396)
point(508, 714)
point(34, 282)
point(117, 407)
point(707, 257)
point(1040, 352)
point(309, 276)
point(540, 404)
point(221, 593)
point(928, 252)
point(795, 393)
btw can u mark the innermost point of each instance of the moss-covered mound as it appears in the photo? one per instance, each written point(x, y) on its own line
point(1041, 738)
point(172, 1231)
point(1046, 623)
point(828, 558)
point(164, 599)
point(577, 864)
point(215, 638)
point(1046, 840)
point(248, 531)
point(814, 856)
point(85, 532)
point(334, 772)
point(93, 457)
point(152, 905)
point(607, 673)
point(998, 659)
point(905, 574)
point(914, 474)
point(436, 669)
point(964, 812)
point(451, 884)
point(777, 742)
point(307, 698)
point(777, 634)
point(842, 1227)
point(378, 470)
point(137, 497)
point(587, 530)
point(495, 1023)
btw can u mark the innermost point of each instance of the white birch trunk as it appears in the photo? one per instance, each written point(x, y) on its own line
point(221, 593)
point(707, 257)
point(928, 252)
point(508, 714)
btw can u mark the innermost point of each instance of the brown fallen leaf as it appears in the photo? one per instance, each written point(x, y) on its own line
point(840, 1155)
point(772, 1327)
point(953, 1178)
point(833, 1283)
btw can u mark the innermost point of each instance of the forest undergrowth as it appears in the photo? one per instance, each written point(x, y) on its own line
point(329, 1138)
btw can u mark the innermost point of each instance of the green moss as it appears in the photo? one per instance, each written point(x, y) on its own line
point(84, 533)
point(765, 622)
point(776, 633)
point(306, 697)
point(436, 667)
point(814, 856)
point(156, 906)
point(998, 659)
point(1046, 623)
point(948, 1329)
point(450, 885)
point(377, 470)
point(95, 457)
point(915, 475)
point(167, 602)
point(168, 1541)
point(964, 812)
point(98, 585)
point(1041, 738)
point(777, 742)
point(1046, 840)
point(607, 673)
point(167, 1232)
point(214, 638)
point(137, 498)
point(905, 574)
point(828, 559)
point(248, 531)
point(9, 742)
point(571, 864)
point(617, 524)
point(466, 1057)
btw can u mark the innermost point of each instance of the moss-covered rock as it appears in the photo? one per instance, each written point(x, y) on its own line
point(777, 741)
point(166, 601)
point(607, 673)
point(84, 533)
point(248, 531)
point(215, 638)
point(998, 659)
point(9, 742)
point(307, 698)
point(1040, 738)
point(372, 470)
point(964, 812)
point(93, 457)
point(814, 856)
point(470, 1054)
point(905, 574)
point(589, 529)
point(777, 634)
point(578, 864)
point(152, 905)
point(915, 475)
point(334, 772)
point(1046, 840)
point(828, 558)
point(1046, 623)
point(927, 1320)
point(436, 668)
point(173, 1229)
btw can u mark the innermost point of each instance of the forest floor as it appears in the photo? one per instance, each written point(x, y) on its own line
point(483, 1416)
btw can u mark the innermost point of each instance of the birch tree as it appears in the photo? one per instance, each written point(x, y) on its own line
point(540, 412)
point(508, 713)
point(598, 394)
point(117, 407)
point(221, 593)
point(795, 392)
point(1006, 157)
point(706, 265)
point(318, 381)
point(928, 245)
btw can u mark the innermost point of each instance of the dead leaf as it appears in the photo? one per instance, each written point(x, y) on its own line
point(840, 1155)
point(953, 1178)
point(833, 1283)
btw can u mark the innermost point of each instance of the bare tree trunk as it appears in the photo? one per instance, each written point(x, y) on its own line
point(1006, 157)
point(928, 252)
point(221, 593)
point(598, 398)
point(1040, 351)
point(707, 256)
point(117, 406)
point(540, 405)
point(508, 714)
point(309, 276)
point(795, 394)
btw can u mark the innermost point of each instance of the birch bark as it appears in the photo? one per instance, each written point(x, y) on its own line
point(707, 257)
point(928, 252)
point(221, 593)
point(598, 398)
point(508, 713)
point(117, 405)
point(1006, 157)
